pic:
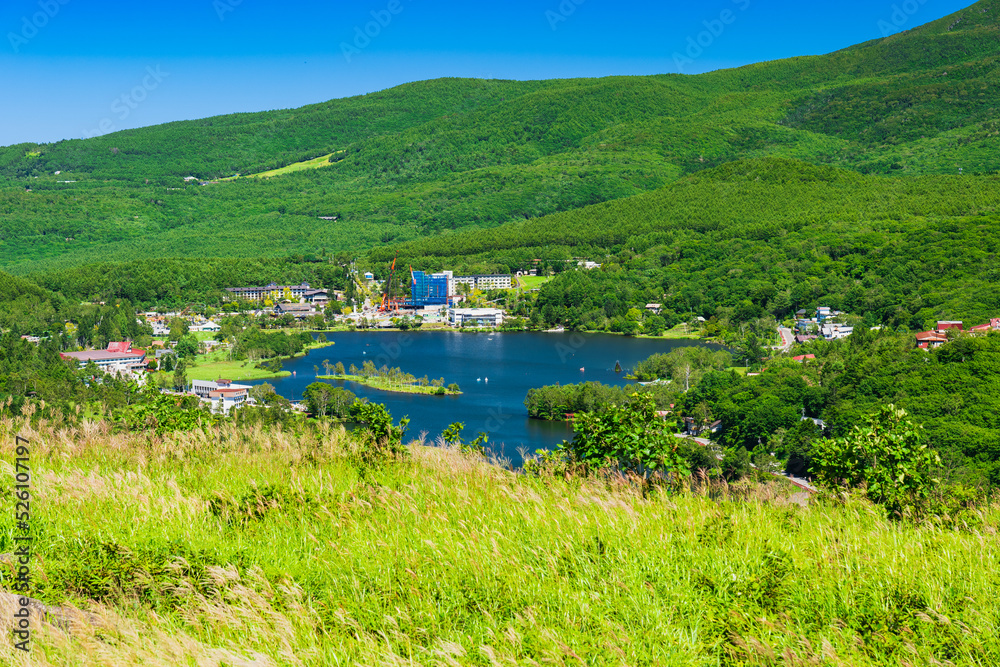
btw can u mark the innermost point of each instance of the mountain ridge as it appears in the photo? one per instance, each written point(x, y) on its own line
point(428, 158)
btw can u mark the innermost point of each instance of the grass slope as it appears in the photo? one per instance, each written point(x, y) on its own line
point(315, 163)
point(231, 370)
point(265, 547)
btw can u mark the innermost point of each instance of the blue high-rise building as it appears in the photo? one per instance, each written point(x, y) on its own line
point(430, 290)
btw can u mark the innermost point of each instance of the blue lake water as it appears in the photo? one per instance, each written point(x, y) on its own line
point(495, 372)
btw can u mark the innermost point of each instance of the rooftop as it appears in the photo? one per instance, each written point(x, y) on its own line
point(477, 311)
point(101, 355)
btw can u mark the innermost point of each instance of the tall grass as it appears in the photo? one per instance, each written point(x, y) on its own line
point(266, 547)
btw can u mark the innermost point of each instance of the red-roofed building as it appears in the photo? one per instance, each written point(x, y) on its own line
point(121, 348)
point(223, 395)
point(804, 358)
point(946, 325)
point(133, 361)
point(992, 325)
point(929, 339)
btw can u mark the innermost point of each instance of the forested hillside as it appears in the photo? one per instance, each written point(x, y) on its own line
point(760, 236)
point(25, 306)
point(428, 158)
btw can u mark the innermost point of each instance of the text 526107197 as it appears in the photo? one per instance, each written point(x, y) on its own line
point(22, 536)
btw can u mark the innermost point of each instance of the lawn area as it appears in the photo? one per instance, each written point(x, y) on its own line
point(682, 332)
point(216, 364)
point(231, 370)
point(533, 282)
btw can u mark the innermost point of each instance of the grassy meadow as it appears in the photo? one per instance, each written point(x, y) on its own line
point(231, 370)
point(268, 547)
point(217, 364)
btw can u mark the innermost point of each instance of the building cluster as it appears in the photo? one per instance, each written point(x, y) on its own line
point(442, 289)
point(821, 325)
point(299, 311)
point(939, 335)
point(161, 323)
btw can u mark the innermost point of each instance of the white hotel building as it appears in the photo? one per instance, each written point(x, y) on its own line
point(486, 282)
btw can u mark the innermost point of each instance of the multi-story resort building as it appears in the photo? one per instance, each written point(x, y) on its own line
point(223, 394)
point(475, 317)
point(275, 292)
point(486, 282)
point(431, 290)
point(118, 358)
point(440, 289)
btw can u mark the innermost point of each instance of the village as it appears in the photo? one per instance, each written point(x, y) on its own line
point(434, 300)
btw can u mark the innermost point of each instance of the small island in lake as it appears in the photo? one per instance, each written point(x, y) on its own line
point(389, 379)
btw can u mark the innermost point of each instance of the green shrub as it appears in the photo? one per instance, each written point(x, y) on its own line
point(886, 456)
point(631, 437)
point(377, 436)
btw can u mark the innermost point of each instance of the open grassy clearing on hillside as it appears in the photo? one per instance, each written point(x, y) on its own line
point(267, 547)
point(315, 163)
point(217, 364)
point(532, 282)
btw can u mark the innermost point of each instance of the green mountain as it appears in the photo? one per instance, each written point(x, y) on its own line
point(766, 235)
point(428, 158)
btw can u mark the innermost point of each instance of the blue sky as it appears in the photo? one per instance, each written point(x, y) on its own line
point(74, 68)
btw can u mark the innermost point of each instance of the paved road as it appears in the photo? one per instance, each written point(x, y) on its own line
point(799, 482)
point(787, 339)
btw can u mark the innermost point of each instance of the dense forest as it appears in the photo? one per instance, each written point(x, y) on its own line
point(755, 238)
point(750, 239)
point(779, 414)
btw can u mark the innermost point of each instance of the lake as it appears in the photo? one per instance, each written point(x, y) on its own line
point(494, 370)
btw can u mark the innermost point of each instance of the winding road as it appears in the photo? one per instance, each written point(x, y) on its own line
point(787, 339)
